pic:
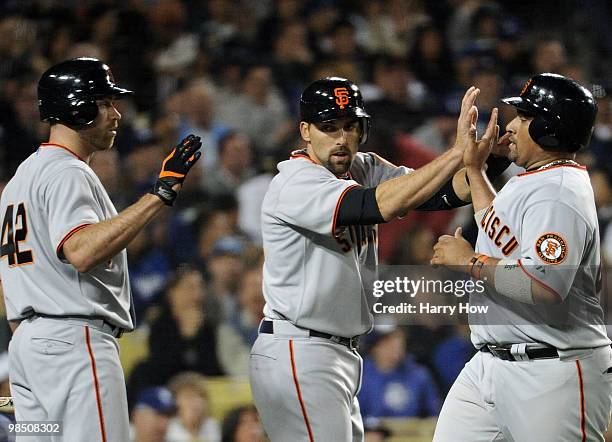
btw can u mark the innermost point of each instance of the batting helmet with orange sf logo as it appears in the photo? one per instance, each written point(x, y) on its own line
point(332, 98)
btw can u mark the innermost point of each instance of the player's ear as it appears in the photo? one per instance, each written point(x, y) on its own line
point(305, 131)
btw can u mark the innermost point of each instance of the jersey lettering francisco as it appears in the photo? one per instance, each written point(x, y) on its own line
point(52, 195)
point(315, 273)
point(545, 219)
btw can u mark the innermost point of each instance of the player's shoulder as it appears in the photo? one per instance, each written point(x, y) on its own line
point(65, 169)
point(371, 159)
point(54, 166)
point(562, 182)
point(297, 170)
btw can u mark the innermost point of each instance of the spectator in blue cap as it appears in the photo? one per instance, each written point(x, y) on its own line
point(151, 415)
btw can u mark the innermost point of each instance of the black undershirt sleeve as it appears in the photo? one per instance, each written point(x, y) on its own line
point(443, 199)
point(446, 198)
point(359, 207)
point(496, 166)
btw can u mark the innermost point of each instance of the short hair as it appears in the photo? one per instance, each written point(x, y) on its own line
point(189, 379)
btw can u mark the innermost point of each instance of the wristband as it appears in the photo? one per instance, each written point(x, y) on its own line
point(476, 263)
point(163, 190)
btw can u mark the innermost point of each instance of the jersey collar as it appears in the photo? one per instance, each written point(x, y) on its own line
point(553, 166)
point(61, 147)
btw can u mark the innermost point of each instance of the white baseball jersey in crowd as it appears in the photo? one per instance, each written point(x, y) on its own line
point(69, 320)
point(546, 219)
point(315, 275)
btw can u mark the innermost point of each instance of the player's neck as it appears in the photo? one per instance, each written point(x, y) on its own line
point(313, 156)
point(70, 139)
point(549, 157)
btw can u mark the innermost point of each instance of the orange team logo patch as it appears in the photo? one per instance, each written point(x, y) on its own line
point(342, 96)
point(526, 86)
point(551, 248)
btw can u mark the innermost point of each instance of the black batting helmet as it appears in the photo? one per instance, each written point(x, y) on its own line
point(563, 111)
point(67, 92)
point(332, 98)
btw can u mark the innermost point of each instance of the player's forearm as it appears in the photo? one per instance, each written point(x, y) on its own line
point(97, 243)
point(395, 197)
point(536, 292)
point(480, 188)
point(461, 186)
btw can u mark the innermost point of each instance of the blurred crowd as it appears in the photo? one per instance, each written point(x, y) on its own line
point(231, 71)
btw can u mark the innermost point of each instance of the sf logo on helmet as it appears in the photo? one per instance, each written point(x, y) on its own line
point(342, 97)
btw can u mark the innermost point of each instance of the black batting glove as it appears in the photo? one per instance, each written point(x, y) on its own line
point(175, 168)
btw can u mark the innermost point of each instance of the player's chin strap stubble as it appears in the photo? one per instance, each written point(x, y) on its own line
point(175, 168)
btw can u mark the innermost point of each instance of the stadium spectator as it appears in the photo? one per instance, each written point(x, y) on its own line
point(375, 430)
point(394, 385)
point(242, 424)
point(193, 422)
point(234, 165)
point(259, 110)
point(183, 337)
point(150, 271)
point(238, 333)
point(225, 267)
point(151, 415)
point(549, 55)
point(199, 116)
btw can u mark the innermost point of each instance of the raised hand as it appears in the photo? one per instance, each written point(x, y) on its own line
point(477, 151)
point(467, 117)
point(175, 168)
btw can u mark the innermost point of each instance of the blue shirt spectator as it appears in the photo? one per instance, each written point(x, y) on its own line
point(450, 356)
point(394, 385)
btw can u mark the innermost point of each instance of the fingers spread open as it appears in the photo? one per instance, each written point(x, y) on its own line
point(495, 136)
point(490, 132)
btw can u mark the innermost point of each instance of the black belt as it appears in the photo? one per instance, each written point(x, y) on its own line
point(352, 343)
point(105, 326)
point(504, 352)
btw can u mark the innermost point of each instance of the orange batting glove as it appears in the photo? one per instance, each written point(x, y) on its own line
point(175, 168)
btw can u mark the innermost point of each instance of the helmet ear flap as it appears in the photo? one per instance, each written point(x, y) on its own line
point(365, 130)
point(85, 114)
point(544, 132)
point(80, 114)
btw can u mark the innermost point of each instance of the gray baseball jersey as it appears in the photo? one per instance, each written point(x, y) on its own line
point(546, 219)
point(313, 271)
point(52, 195)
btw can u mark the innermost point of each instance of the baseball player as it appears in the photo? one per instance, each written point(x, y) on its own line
point(64, 265)
point(538, 376)
point(319, 225)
